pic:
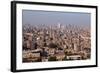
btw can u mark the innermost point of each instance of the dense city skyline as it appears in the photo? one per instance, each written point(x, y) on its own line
point(53, 40)
point(35, 17)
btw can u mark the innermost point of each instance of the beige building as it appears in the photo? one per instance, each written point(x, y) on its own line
point(60, 56)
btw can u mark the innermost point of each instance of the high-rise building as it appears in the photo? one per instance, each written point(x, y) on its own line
point(59, 25)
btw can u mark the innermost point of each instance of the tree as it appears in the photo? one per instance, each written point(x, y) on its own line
point(52, 45)
point(64, 58)
point(52, 59)
point(45, 44)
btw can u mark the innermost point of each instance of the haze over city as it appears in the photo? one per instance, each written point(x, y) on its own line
point(35, 17)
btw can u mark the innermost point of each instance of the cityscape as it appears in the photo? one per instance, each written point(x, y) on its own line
point(55, 42)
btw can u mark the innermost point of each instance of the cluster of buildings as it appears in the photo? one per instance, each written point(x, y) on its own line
point(55, 43)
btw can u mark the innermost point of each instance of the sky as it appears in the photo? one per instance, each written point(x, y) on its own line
point(35, 17)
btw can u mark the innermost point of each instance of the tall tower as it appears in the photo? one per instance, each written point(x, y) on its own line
point(59, 25)
point(50, 31)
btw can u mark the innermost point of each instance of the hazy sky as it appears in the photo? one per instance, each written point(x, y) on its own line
point(51, 17)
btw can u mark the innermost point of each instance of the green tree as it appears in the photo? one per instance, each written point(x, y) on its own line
point(52, 45)
point(52, 59)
